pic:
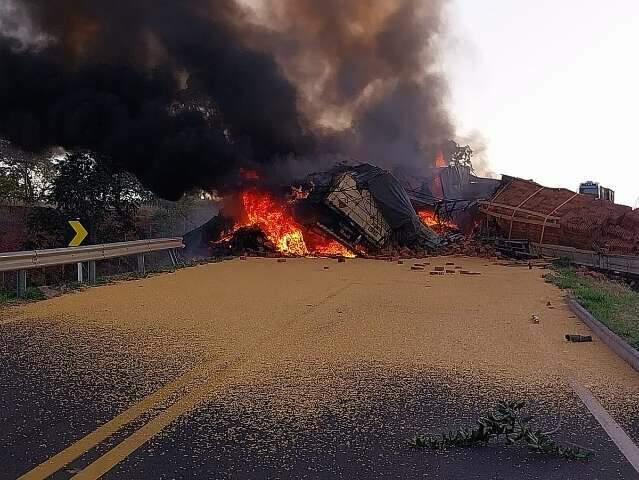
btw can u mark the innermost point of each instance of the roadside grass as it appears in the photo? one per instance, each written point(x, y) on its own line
point(33, 294)
point(612, 303)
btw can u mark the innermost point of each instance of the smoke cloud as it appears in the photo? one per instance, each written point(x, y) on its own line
point(478, 143)
point(268, 83)
point(368, 73)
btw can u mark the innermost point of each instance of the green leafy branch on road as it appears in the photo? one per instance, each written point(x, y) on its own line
point(506, 422)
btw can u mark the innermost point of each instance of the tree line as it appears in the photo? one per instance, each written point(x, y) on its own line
point(58, 186)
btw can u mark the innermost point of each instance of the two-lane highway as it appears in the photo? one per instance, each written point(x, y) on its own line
point(260, 369)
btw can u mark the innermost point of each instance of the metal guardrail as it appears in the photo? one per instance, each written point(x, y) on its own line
point(65, 256)
point(615, 263)
point(28, 260)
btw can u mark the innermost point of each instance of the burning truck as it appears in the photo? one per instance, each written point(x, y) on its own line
point(345, 211)
point(184, 95)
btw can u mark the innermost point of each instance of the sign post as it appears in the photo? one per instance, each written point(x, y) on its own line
point(80, 234)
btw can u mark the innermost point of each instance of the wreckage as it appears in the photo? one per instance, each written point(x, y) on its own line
point(365, 210)
point(349, 209)
point(364, 207)
point(524, 210)
point(451, 195)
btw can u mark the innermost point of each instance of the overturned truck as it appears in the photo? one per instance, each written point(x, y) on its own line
point(362, 208)
point(365, 208)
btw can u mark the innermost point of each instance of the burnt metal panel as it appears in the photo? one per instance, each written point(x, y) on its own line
point(360, 207)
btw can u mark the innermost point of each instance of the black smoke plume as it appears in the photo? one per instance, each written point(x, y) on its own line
point(106, 81)
point(372, 68)
point(186, 93)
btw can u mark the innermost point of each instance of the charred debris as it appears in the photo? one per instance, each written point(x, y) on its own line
point(350, 210)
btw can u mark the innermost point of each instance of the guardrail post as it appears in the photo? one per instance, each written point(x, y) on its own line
point(92, 272)
point(80, 272)
point(141, 268)
point(173, 257)
point(22, 284)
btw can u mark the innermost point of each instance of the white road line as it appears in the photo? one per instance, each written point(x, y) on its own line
point(613, 429)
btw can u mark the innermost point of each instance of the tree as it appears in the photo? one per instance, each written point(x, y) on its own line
point(460, 155)
point(25, 177)
point(10, 189)
point(47, 228)
point(104, 198)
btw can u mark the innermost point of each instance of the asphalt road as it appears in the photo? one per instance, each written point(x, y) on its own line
point(258, 369)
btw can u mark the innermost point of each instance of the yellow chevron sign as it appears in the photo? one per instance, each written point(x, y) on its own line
point(80, 233)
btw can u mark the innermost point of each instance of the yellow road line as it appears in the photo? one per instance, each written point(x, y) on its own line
point(141, 436)
point(187, 403)
point(86, 443)
point(125, 448)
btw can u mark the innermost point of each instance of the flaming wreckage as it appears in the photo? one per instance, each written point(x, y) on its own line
point(364, 210)
point(346, 211)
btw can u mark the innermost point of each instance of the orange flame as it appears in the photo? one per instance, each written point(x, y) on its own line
point(279, 226)
point(435, 222)
point(275, 221)
point(332, 248)
point(439, 161)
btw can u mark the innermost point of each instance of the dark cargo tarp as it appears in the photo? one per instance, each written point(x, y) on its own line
point(391, 199)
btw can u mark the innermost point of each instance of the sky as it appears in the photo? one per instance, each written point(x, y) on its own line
point(552, 86)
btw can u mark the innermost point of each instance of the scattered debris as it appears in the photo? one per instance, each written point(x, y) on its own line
point(281, 260)
point(578, 338)
point(535, 318)
point(244, 240)
point(469, 246)
point(341, 260)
